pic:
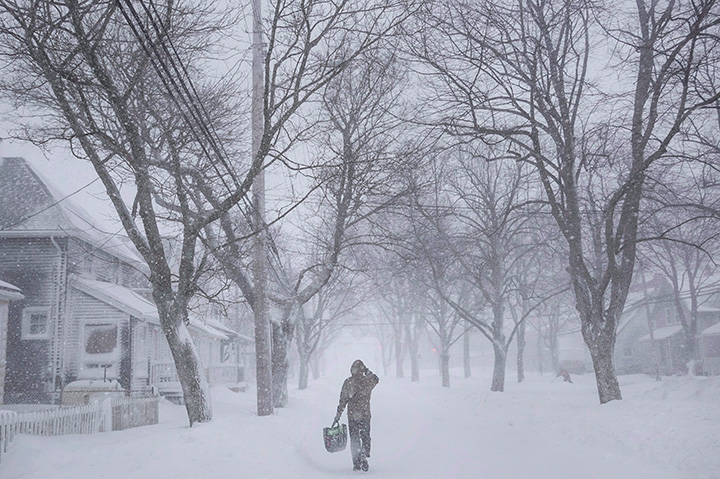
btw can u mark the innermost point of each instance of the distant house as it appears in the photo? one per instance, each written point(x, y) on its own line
point(651, 320)
point(86, 312)
point(8, 293)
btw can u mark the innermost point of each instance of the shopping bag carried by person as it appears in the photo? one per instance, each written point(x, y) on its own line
point(335, 437)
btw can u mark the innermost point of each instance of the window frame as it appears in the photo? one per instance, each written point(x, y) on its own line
point(27, 315)
point(91, 365)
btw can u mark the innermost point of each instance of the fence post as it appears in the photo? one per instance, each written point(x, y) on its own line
point(106, 411)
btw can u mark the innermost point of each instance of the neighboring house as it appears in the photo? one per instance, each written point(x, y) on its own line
point(573, 353)
point(710, 349)
point(8, 293)
point(650, 319)
point(86, 313)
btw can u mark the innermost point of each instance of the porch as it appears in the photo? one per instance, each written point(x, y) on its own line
point(164, 376)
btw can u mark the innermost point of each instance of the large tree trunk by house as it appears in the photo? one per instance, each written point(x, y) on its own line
point(190, 372)
point(281, 339)
point(498, 379)
point(601, 342)
point(605, 377)
point(521, 352)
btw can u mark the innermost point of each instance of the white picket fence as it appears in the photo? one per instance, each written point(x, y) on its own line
point(130, 412)
point(111, 414)
point(8, 420)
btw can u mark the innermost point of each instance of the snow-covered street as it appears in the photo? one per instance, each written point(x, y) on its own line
point(539, 429)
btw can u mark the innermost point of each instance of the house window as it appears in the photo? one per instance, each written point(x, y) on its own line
point(100, 338)
point(100, 351)
point(627, 351)
point(670, 317)
point(36, 323)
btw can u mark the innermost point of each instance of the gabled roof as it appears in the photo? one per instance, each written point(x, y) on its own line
point(9, 292)
point(32, 206)
point(663, 333)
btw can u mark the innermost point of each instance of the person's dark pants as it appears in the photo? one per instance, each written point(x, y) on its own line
point(359, 440)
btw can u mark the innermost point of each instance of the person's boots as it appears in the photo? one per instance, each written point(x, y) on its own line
point(363, 463)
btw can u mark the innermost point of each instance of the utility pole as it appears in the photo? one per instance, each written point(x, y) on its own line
point(648, 313)
point(260, 310)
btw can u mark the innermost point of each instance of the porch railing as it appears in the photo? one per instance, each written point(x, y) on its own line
point(164, 376)
point(225, 374)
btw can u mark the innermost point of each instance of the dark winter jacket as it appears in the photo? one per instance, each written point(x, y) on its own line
point(356, 391)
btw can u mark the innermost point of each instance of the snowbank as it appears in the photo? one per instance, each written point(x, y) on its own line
point(539, 429)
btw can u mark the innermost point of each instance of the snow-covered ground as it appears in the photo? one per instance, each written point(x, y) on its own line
point(539, 429)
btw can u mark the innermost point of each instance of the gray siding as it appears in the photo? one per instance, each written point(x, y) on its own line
point(35, 266)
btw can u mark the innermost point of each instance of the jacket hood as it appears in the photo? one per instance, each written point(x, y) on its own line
point(357, 367)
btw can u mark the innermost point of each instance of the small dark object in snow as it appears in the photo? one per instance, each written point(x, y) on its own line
point(565, 375)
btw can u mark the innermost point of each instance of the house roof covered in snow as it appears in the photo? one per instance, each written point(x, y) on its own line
point(134, 304)
point(32, 206)
point(120, 297)
point(713, 330)
point(663, 333)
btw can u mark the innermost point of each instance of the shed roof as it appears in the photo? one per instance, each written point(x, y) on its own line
point(9, 292)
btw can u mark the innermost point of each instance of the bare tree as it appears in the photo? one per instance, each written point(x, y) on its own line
point(517, 72)
point(363, 150)
point(309, 46)
point(684, 256)
point(328, 308)
point(121, 87)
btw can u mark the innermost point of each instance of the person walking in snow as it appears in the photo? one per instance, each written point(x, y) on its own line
point(355, 394)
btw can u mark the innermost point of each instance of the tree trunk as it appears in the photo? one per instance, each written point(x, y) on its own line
point(607, 383)
point(304, 373)
point(194, 385)
point(315, 366)
point(282, 337)
point(554, 352)
point(445, 368)
point(540, 345)
point(303, 354)
point(521, 352)
point(413, 343)
point(466, 352)
point(399, 356)
point(498, 379)
point(414, 368)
